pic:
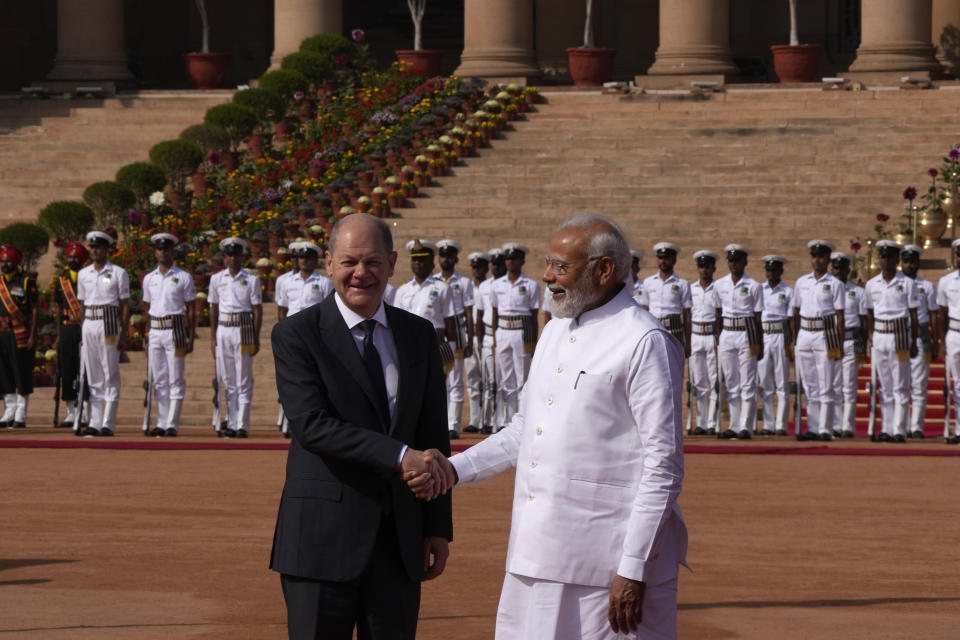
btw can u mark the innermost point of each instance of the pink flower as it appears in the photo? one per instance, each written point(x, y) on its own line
point(909, 193)
point(855, 247)
point(214, 157)
point(59, 242)
point(882, 217)
point(954, 154)
point(357, 35)
point(933, 173)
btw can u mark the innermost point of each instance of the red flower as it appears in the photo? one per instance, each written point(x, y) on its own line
point(882, 217)
point(855, 247)
point(909, 193)
point(933, 173)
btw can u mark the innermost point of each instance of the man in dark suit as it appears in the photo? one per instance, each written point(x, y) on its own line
point(363, 388)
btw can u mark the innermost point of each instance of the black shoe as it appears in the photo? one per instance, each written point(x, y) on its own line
point(744, 435)
point(711, 431)
point(156, 432)
point(836, 433)
point(781, 432)
point(454, 435)
point(170, 433)
point(222, 433)
point(229, 433)
point(699, 431)
point(803, 437)
point(899, 438)
point(487, 429)
point(728, 434)
point(91, 432)
point(918, 434)
point(243, 433)
point(952, 440)
point(65, 425)
point(6, 424)
point(287, 435)
point(106, 433)
point(884, 437)
point(19, 425)
point(766, 432)
point(849, 434)
point(471, 429)
point(826, 436)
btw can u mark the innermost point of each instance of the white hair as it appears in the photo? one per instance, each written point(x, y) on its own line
point(610, 242)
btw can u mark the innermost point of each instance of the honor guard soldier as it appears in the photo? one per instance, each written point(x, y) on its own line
point(668, 295)
point(927, 335)
point(892, 315)
point(103, 288)
point(703, 343)
point(280, 286)
point(473, 371)
point(18, 336)
point(307, 286)
point(854, 343)
point(818, 312)
point(948, 300)
point(636, 257)
point(69, 317)
point(515, 300)
point(462, 290)
point(774, 370)
point(236, 314)
point(492, 403)
point(740, 299)
point(430, 298)
point(169, 291)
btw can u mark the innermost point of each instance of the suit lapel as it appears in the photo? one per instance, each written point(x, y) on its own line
point(403, 363)
point(339, 340)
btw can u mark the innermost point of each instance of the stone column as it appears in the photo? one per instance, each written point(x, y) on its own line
point(694, 44)
point(894, 41)
point(498, 41)
point(90, 44)
point(945, 33)
point(294, 20)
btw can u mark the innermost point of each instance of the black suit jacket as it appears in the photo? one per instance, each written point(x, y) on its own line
point(341, 476)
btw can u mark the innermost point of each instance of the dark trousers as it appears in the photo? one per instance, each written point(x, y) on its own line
point(69, 361)
point(383, 603)
point(16, 366)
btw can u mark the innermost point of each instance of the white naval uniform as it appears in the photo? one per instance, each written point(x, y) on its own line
point(817, 298)
point(235, 294)
point(390, 294)
point(891, 300)
point(773, 372)
point(280, 289)
point(473, 369)
point(927, 306)
point(639, 294)
point(598, 452)
point(703, 354)
point(492, 404)
point(461, 290)
point(743, 299)
point(948, 296)
point(108, 286)
point(666, 297)
point(518, 298)
point(298, 293)
point(845, 377)
point(168, 295)
point(430, 299)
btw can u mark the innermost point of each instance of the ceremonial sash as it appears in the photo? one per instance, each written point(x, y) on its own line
point(834, 337)
point(17, 318)
point(68, 293)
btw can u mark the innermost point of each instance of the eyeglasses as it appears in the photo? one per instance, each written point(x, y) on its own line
point(560, 268)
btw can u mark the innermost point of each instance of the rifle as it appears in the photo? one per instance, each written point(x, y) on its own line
point(56, 388)
point(798, 417)
point(689, 424)
point(81, 391)
point(947, 397)
point(215, 422)
point(147, 399)
point(719, 392)
point(872, 390)
point(221, 412)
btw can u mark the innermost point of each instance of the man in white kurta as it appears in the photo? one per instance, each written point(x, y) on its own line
point(773, 371)
point(845, 377)
point(948, 301)
point(927, 337)
point(596, 533)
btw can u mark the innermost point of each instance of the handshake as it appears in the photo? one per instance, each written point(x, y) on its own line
point(428, 473)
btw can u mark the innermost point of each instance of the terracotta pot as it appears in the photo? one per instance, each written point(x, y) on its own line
point(206, 70)
point(229, 161)
point(199, 181)
point(796, 63)
point(425, 61)
point(590, 66)
point(255, 144)
point(314, 172)
point(50, 368)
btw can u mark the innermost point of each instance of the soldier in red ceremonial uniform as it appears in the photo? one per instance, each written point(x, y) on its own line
point(69, 318)
point(18, 335)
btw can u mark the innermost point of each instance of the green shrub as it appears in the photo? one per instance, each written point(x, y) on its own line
point(208, 137)
point(109, 201)
point(315, 67)
point(267, 105)
point(327, 44)
point(66, 219)
point(30, 239)
point(238, 121)
point(176, 158)
point(142, 178)
point(284, 82)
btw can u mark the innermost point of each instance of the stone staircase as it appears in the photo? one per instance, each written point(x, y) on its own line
point(766, 168)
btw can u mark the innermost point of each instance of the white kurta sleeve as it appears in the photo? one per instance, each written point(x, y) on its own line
point(496, 454)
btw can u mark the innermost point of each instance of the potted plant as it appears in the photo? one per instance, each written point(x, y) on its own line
point(206, 70)
point(590, 66)
point(143, 179)
point(795, 62)
point(177, 159)
point(422, 61)
point(66, 219)
point(108, 200)
point(30, 239)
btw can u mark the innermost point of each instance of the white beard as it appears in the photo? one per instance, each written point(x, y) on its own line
point(579, 297)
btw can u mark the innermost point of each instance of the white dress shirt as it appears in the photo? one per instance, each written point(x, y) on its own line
point(854, 305)
point(776, 302)
point(430, 299)
point(483, 301)
point(926, 300)
point(382, 340)
point(300, 293)
point(461, 289)
point(518, 298)
point(948, 294)
point(704, 302)
point(667, 297)
point(168, 294)
point(891, 300)
point(740, 300)
point(818, 297)
point(105, 287)
point(235, 293)
point(597, 446)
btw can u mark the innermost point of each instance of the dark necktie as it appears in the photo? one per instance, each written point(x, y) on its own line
point(371, 360)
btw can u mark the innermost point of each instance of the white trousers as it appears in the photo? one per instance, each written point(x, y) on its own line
point(774, 370)
point(919, 378)
point(703, 377)
point(492, 400)
point(102, 362)
point(455, 379)
point(513, 366)
point(894, 379)
point(473, 373)
point(739, 378)
point(237, 371)
point(532, 609)
point(816, 371)
point(845, 379)
point(165, 367)
point(952, 346)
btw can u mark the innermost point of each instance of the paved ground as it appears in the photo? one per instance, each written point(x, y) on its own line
point(174, 544)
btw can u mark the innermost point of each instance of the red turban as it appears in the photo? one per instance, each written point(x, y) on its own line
point(11, 253)
point(76, 249)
